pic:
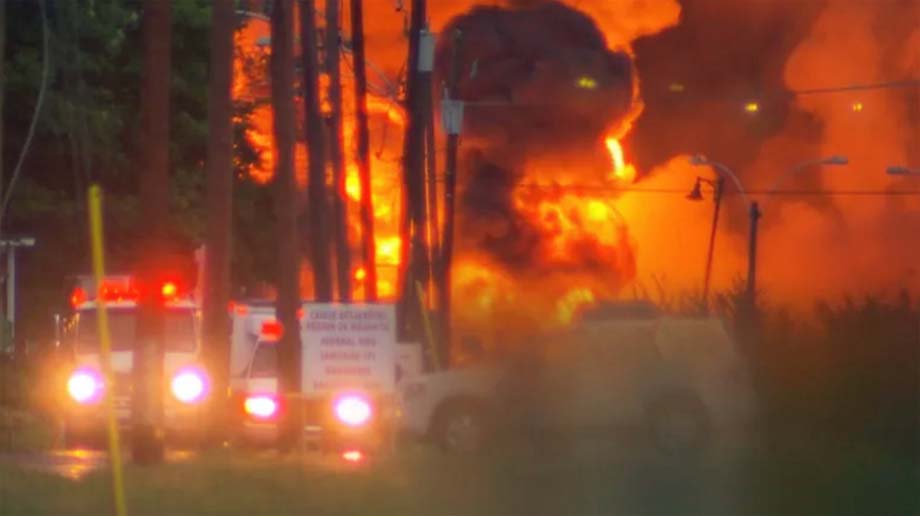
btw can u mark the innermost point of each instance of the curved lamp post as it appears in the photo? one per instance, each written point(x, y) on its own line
point(754, 212)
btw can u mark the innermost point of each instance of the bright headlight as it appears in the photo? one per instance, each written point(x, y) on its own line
point(260, 406)
point(353, 410)
point(84, 386)
point(189, 385)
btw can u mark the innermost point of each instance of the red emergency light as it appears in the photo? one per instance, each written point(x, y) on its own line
point(272, 329)
point(119, 289)
point(77, 297)
point(169, 290)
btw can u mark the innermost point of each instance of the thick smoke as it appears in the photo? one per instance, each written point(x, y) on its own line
point(696, 78)
point(540, 86)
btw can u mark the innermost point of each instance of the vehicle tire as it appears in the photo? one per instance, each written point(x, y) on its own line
point(679, 424)
point(462, 427)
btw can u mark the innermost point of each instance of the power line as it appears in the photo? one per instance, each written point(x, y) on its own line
point(599, 188)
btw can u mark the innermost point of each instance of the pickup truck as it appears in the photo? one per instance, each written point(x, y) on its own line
point(679, 381)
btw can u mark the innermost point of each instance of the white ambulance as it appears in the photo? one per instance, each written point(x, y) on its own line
point(186, 379)
point(347, 392)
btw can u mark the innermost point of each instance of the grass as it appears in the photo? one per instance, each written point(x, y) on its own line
point(813, 480)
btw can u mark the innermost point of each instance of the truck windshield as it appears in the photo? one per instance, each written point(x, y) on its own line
point(179, 330)
point(264, 361)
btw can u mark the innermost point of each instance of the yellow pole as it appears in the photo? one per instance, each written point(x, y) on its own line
point(432, 348)
point(96, 242)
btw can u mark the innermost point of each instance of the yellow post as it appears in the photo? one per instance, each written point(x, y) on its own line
point(97, 248)
point(432, 347)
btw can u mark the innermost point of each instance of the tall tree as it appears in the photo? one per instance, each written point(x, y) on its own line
point(285, 185)
point(219, 171)
point(337, 152)
point(154, 196)
point(317, 192)
point(368, 249)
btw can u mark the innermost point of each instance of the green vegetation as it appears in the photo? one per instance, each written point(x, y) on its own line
point(88, 130)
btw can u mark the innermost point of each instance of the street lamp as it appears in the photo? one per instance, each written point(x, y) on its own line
point(754, 212)
point(696, 194)
point(10, 245)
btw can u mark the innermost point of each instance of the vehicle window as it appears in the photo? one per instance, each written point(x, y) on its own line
point(179, 330)
point(122, 328)
point(264, 361)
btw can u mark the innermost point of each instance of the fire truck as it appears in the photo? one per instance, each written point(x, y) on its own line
point(186, 379)
point(345, 414)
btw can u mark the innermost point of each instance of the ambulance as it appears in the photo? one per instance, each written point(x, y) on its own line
point(186, 380)
point(347, 395)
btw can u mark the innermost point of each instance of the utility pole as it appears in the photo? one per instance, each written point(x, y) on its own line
point(2, 85)
point(316, 183)
point(718, 188)
point(3, 334)
point(751, 291)
point(219, 172)
point(285, 186)
point(337, 152)
point(452, 118)
point(419, 78)
point(147, 405)
point(431, 182)
point(368, 247)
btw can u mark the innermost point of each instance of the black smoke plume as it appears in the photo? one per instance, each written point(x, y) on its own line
point(540, 84)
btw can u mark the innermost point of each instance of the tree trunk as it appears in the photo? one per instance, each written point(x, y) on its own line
point(147, 405)
point(368, 248)
point(219, 170)
point(285, 185)
point(337, 152)
point(319, 240)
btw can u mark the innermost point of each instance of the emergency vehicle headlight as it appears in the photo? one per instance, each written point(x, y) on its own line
point(85, 386)
point(260, 406)
point(189, 385)
point(352, 409)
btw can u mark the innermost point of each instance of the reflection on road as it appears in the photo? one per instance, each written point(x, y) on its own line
point(76, 463)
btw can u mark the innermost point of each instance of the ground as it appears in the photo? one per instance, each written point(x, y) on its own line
point(577, 479)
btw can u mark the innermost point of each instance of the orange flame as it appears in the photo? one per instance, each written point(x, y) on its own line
point(622, 171)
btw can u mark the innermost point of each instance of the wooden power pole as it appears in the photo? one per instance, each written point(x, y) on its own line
point(368, 248)
point(285, 185)
point(316, 183)
point(337, 152)
point(147, 404)
point(419, 78)
point(452, 115)
point(219, 172)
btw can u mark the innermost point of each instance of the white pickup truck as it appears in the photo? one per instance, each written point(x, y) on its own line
point(678, 380)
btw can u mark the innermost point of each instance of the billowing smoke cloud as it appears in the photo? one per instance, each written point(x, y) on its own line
point(540, 86)
point(696, 78)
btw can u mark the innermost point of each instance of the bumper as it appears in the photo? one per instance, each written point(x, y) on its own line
point(177, 419)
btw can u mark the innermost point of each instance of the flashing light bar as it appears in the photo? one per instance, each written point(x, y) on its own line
point(117, 288)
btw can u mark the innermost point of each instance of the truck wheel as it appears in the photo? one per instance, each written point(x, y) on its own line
point(461, 427)
point(679, 424)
